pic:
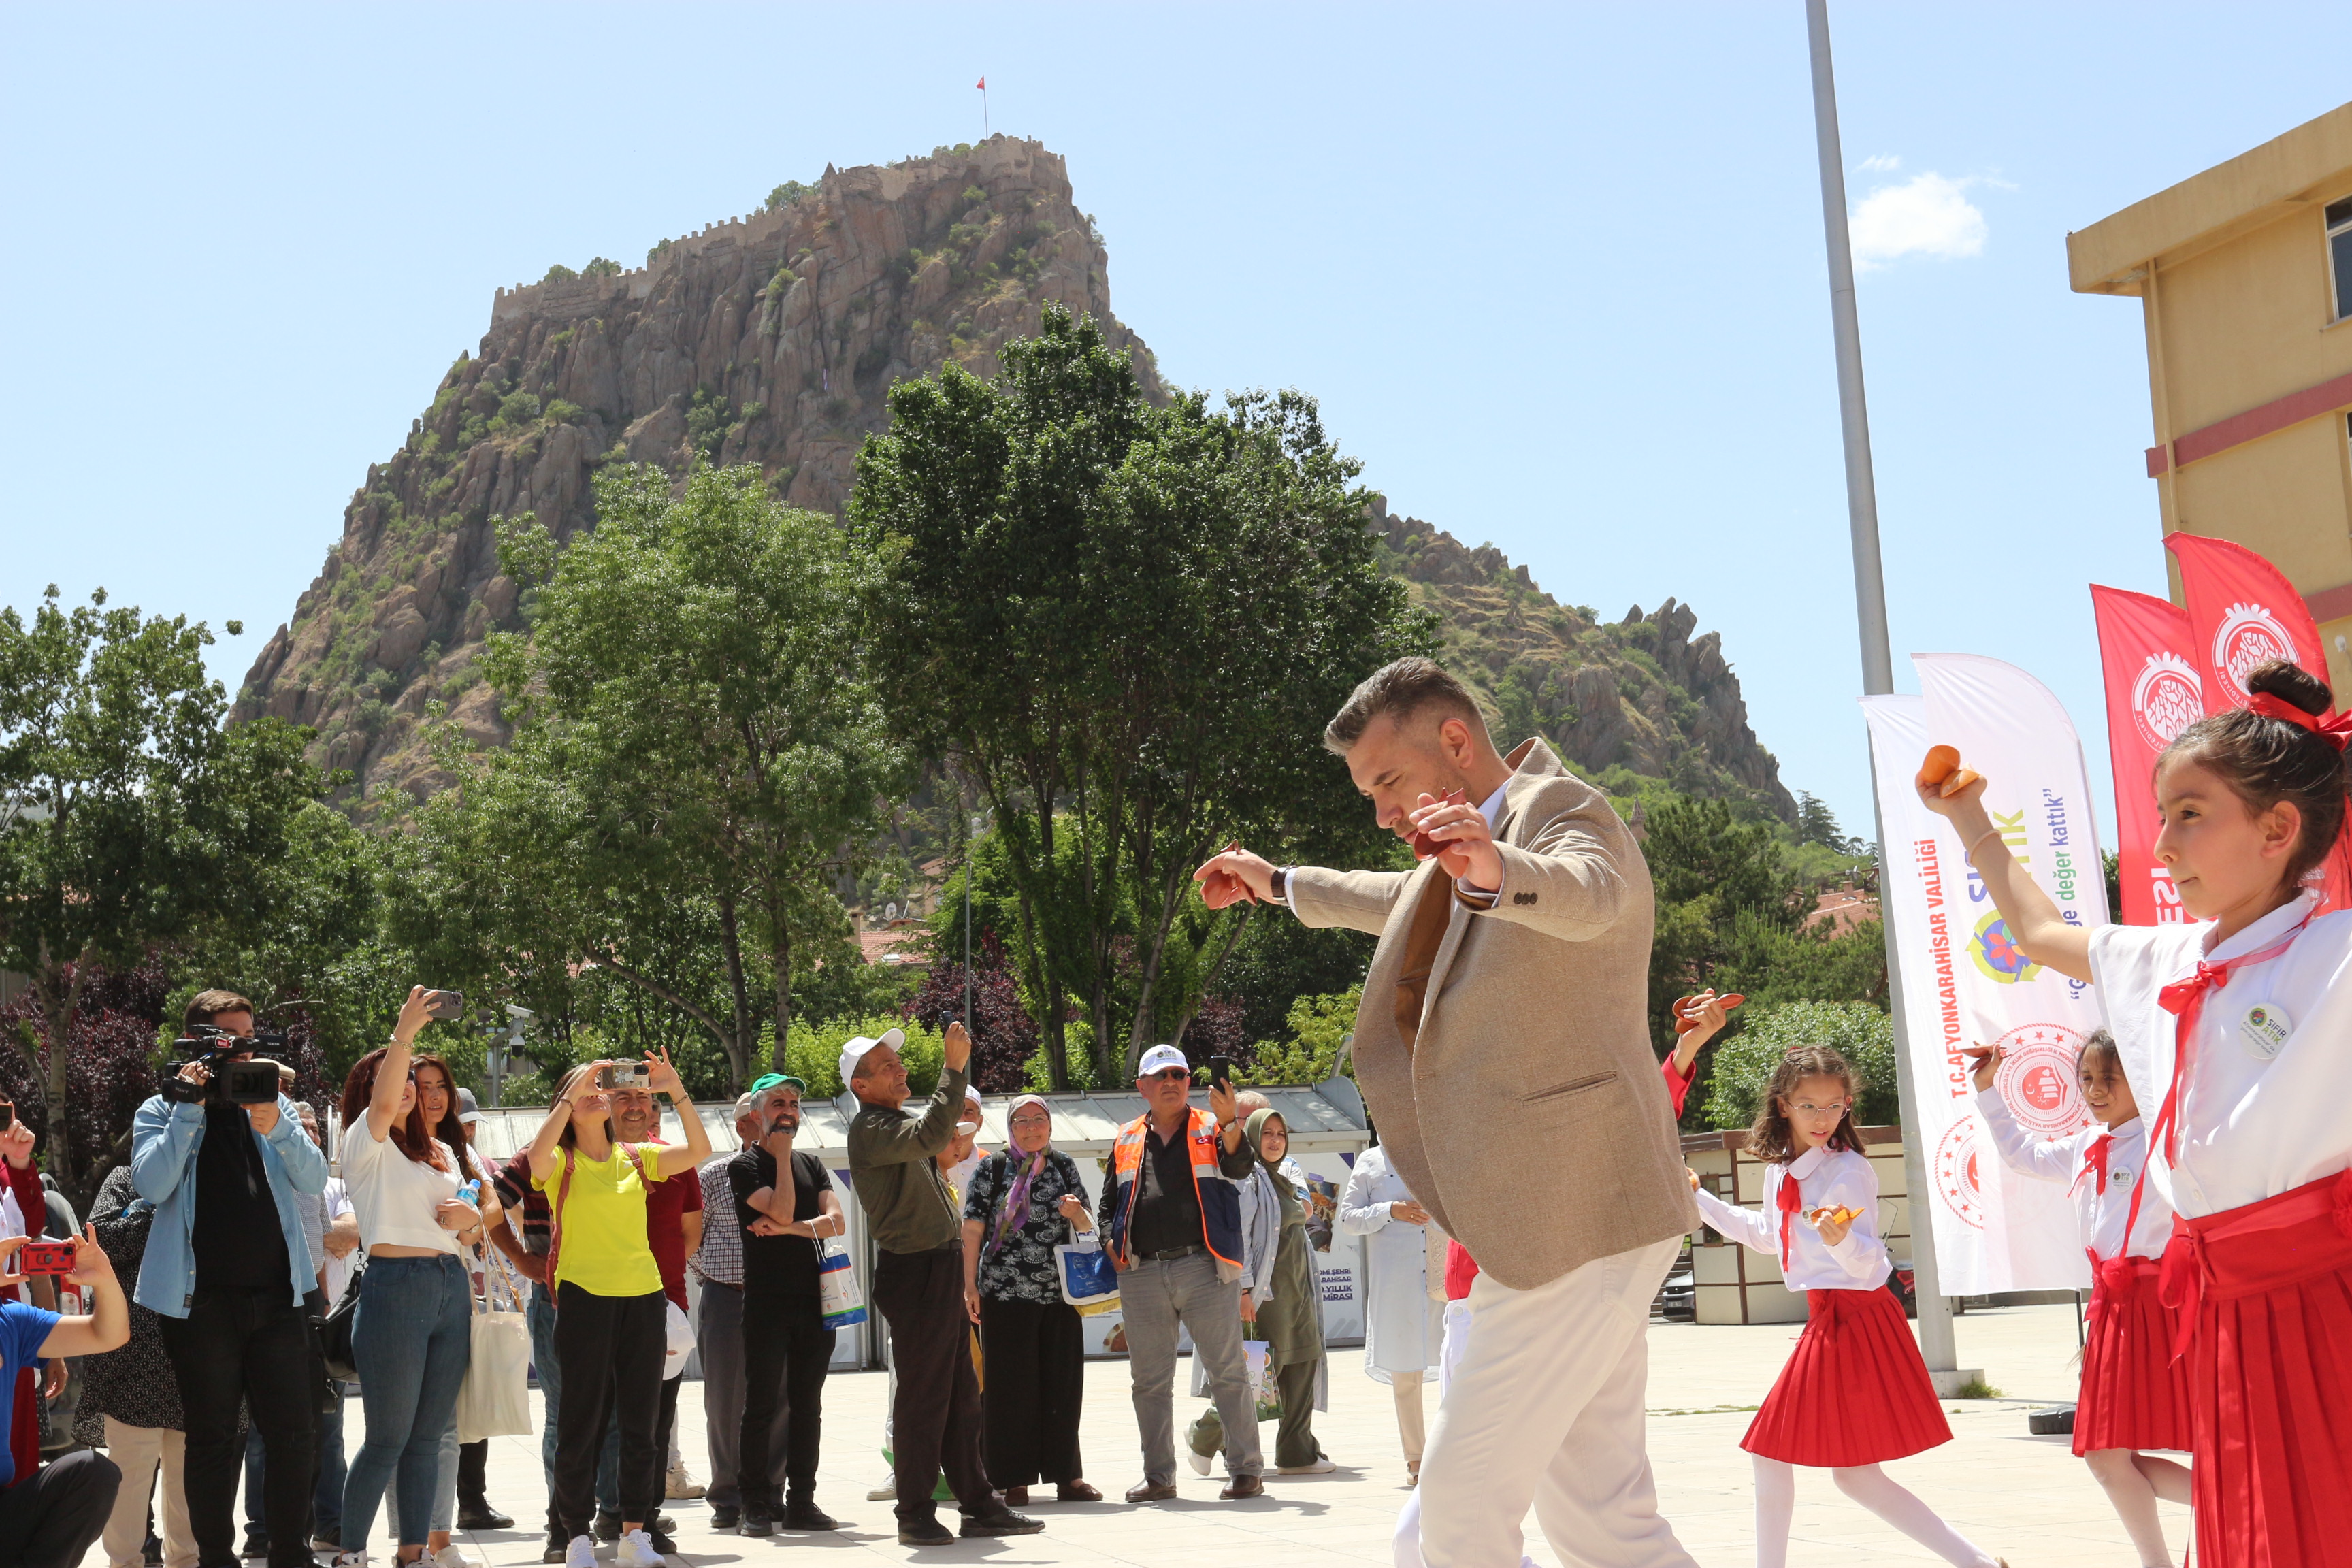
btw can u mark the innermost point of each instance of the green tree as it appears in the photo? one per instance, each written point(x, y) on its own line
point(129, 819)
point(698, 746)
point(1090, 598)
point(1861, 1034)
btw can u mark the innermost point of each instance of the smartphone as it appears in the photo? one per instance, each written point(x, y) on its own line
point(1221, 1071)
point(949, 1017)
point(45, 1257)
point(7, 1115)
point(624, 1075)
point(443, 1004)
point(250, 1083)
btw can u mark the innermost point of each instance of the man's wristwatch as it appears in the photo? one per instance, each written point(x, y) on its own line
point(1281, 885)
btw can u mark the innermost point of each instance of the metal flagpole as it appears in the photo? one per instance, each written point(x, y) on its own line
point(1935, 1341)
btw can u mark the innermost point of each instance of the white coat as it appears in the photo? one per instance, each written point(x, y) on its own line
point(1403, 1328)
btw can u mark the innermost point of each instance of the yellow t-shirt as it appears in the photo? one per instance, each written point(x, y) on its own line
point(603, 1221)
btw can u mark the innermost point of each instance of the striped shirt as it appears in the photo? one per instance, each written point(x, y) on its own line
point(719, 1258)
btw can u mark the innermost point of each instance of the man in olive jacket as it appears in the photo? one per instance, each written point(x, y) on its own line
point(1503, 1048)
point(918, 1230)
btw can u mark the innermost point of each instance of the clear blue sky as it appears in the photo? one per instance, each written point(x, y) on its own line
point(1556, 273)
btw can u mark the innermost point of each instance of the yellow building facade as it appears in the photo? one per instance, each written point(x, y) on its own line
point(2244, 278)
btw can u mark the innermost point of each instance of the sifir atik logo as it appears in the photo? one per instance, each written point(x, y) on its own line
point(2167, 698)
point(1997, 954)
point(2249, 634)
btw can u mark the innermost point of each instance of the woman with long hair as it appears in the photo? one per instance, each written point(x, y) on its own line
point(436, 1102)
point(612, 1316)
point(412, 1334)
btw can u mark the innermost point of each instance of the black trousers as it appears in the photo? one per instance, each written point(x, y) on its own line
point(473, 1471)
point(254, 1346)
point(935, 1416)
point(609, 1351)
point(665, 1421)
point(787, 1351)
point(1036, 1383)
point(50, 1519)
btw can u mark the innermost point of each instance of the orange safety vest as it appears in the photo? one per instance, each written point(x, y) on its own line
point(1221, 1206)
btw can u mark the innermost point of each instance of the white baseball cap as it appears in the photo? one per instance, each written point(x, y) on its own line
point(856, 1049)
point(1159, 1058)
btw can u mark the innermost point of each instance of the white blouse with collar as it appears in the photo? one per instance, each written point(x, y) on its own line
point(2065, 1160)
point(1824, 1178)
point(2267, 1107)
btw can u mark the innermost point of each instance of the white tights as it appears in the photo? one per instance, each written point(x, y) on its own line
point(2134, 1482)
point(1776, 1505)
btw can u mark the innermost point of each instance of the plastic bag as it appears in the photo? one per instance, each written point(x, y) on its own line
point(1089, 1280)
point(841, 1304)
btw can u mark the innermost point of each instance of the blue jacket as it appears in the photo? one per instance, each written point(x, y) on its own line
point(164, 1138)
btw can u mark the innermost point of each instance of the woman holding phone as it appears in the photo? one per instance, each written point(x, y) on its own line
point(412, 1334)
point(611, 1319)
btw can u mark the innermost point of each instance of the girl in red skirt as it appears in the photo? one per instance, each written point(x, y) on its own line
point(1855, 1393)
point(2134, 1395)
point(2236, 1027)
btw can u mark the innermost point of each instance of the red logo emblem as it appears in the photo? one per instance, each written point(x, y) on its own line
point(1954, 1171)
point(2037, 1078)
point(2167, 698)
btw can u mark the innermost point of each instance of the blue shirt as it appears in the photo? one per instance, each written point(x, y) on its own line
point(164, 1139)
point(23, 1328)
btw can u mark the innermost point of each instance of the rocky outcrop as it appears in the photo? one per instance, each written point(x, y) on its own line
point(769, 339)
point(1640, 694)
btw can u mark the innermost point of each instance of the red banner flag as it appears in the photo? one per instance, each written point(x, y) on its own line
point(2242, 611)
point(981, 86)
point(2154, 692)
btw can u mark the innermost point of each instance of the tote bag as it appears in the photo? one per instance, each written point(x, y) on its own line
point(1089, 1279)
point(495, 1399)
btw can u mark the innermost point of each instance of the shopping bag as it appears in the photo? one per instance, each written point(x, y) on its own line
point(1089, 1280)
point(838, 1289)
point(1264, 1388)
point(495, 1399)
point(678, 1331)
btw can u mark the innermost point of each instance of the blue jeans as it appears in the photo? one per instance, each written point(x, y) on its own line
point(327, 1506)
point(411, 1339)
point(551, 1388)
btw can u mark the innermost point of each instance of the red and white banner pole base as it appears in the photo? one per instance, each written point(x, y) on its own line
point(1966, 982)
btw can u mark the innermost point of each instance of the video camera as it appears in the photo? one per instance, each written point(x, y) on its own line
point(228, 1081)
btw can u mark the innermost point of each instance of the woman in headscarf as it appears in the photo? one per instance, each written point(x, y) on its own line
point(1288, 1318)
point(1021, 1205)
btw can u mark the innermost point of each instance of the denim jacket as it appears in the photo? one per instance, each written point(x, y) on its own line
point(164, 1138)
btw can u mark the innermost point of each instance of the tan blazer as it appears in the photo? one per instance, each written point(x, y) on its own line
point(1529, 1116)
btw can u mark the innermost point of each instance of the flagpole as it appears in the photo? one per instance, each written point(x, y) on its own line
point(1936, 1343)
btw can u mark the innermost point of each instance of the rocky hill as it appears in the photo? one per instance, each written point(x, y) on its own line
point(771, 339)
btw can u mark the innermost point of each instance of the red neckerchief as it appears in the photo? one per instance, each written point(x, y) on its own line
point(2184, 999)
point(1789, 1201)
point(2094, 1162)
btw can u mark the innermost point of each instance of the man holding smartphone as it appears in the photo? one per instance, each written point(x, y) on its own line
point(228, 1269)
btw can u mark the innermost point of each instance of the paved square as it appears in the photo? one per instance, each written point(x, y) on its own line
point(2024, 1498)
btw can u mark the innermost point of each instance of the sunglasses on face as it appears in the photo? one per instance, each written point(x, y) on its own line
point(1172, 1075)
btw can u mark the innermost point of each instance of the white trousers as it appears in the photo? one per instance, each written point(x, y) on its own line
point(137, 1451)
point(1544, 1410)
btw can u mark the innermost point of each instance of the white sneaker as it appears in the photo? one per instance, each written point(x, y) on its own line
point(1319, 1468)
point(1200, 1462)
point(354, 1559)
point(679, 1485)
point(451, 1556)
point(887, 1492)
point(637, 1551)
point(580, 1554)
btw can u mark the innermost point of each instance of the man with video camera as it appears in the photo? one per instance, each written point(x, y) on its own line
point(221, 1155)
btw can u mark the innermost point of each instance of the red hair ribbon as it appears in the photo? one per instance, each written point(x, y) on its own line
point(2335, 729)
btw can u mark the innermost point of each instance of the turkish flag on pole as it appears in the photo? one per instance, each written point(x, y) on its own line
point(981, 86)
point(2242, 611)
point(2154, 692)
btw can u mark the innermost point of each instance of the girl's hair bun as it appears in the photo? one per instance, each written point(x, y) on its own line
point(2291, 683)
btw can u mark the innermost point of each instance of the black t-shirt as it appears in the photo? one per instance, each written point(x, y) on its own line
point(238, 1241)
point(777, 1265)
point(1168, 1211)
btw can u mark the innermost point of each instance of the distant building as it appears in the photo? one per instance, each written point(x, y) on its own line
point(2245, 277)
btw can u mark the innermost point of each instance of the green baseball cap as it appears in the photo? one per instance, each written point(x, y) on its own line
point(767, 1081)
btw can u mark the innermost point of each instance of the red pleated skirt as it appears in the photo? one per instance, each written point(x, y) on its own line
point(2134, 1395)
point(2267, 1290)
point(1856, 1391)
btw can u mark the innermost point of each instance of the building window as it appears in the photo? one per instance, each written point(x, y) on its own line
point(2339, 252)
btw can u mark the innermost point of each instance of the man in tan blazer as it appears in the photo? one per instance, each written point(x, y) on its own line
point(1503, 1050)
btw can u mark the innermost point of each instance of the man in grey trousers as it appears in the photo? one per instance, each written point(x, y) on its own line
point(718, 1331)
point(1171, 1221)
